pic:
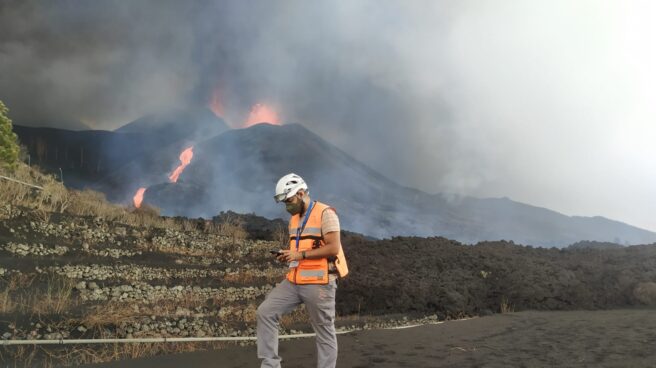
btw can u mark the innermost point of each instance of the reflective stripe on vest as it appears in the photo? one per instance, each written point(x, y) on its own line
point(310, 273)
point(316, 231)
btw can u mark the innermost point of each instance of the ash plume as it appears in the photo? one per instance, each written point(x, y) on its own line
point(547, 103)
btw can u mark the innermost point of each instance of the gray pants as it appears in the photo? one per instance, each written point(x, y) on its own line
point(319, 301)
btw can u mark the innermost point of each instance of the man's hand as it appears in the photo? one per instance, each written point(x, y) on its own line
point(289, 256)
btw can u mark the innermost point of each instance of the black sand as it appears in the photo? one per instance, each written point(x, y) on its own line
point(615, 338)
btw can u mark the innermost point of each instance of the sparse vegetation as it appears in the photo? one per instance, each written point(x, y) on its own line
point(50, 357)
point(54, 197)
point(36, 294)
point(281, 235)
point(9, 148)
point(14, 193)
point(505, 306)
point(109, 314)
point(232, 227)
point(9, 301)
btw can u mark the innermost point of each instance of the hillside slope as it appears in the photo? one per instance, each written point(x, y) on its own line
point(237, 170)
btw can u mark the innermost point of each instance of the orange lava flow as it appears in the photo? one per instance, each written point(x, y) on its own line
point(185, 159)
point(261, 113)
point(138, 197)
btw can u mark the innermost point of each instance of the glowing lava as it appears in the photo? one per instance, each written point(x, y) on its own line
point(215, 104)
point(261, 113)
point(185, 159)
point(138, 197)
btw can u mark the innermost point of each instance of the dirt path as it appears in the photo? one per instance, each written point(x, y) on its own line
point(616, 338)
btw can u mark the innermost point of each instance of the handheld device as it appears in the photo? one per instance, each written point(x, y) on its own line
point(275, 252)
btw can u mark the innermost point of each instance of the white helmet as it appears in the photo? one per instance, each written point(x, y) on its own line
point(289, 185)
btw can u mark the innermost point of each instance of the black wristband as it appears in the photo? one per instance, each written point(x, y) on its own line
point(303, 253)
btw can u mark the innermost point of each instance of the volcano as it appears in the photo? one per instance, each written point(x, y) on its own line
point(237, 170)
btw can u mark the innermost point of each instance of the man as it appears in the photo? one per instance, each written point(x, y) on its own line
point(315, 260)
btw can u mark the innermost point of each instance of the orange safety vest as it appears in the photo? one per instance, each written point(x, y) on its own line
point(312, 271)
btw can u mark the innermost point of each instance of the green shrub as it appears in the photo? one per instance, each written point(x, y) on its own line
point(9, 148)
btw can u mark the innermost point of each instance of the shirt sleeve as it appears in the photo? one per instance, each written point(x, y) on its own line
point(329, 221)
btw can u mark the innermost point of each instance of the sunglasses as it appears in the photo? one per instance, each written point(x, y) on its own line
point(282, 197)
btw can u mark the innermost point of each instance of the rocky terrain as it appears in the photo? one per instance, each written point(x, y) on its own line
point(73, 266)
point(179, 283)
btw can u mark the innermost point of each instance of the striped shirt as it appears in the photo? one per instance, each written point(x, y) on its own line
point(329, 221)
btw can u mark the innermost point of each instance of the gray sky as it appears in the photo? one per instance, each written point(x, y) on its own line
point(546, 102)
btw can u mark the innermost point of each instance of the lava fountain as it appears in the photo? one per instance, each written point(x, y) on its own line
point(185, 159)
point(138, 197)
point(261, 113)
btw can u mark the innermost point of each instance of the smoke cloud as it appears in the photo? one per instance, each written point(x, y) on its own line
point(548, 103)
